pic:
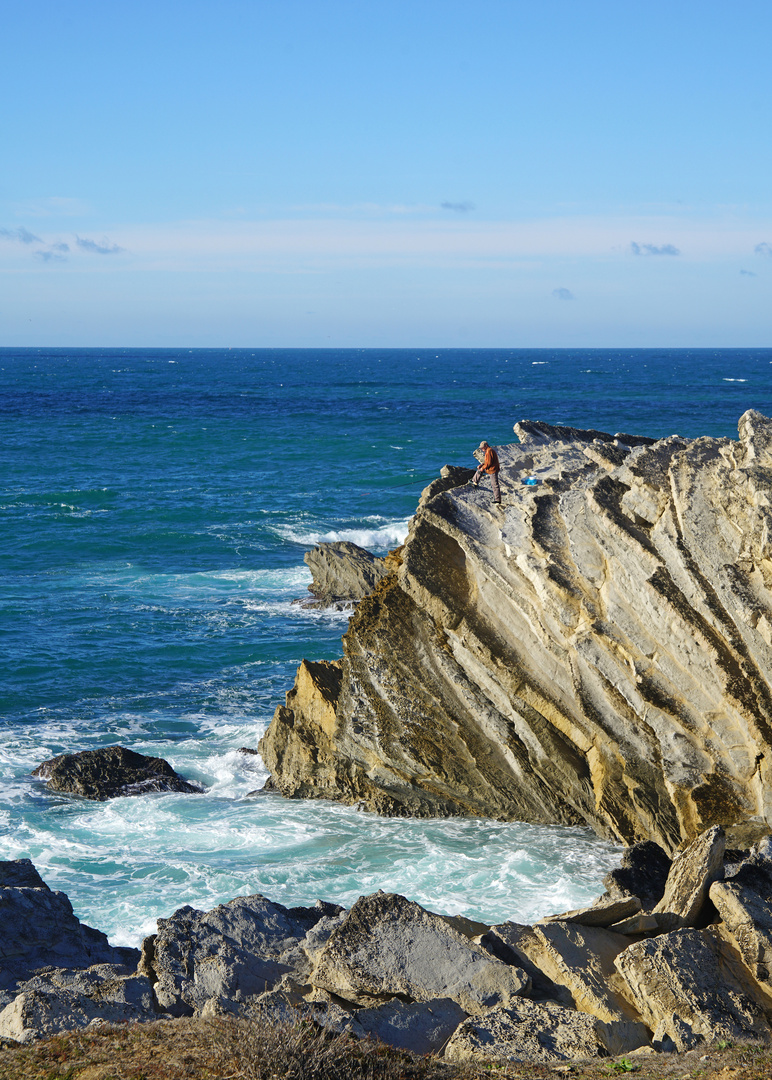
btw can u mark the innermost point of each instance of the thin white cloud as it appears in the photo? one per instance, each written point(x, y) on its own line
point(307, 244)
point(369, 209)
point(105, 248)
point(310, 244)
point(652, 249)
point(24, 236)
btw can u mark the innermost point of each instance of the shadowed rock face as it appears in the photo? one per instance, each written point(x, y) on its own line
point(597, 652)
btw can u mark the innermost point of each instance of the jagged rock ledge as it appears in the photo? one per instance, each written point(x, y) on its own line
point(598, 652)
point(688, 968)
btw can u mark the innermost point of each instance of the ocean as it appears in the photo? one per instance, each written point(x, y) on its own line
point(156, 505)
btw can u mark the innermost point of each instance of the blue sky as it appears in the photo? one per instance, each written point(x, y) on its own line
point(560, 173)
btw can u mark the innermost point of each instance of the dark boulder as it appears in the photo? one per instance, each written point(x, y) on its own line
point(643, 873)
point(20, 874)
point(109, 772)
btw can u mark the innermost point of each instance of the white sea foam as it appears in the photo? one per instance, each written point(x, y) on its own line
point(203, 583)
point(376, 538)
point(128, 861)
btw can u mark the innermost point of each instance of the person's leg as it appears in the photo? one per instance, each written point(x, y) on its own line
point(477, 475)
point(496, 488)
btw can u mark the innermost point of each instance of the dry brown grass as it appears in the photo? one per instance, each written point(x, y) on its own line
point(260, 1050)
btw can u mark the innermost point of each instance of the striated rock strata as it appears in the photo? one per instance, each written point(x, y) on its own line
point(597, 652)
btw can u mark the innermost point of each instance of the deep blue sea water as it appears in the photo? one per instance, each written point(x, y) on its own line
point(156, 505)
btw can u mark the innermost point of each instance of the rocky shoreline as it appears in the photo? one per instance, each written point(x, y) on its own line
point(599, 652)
point(682, 965)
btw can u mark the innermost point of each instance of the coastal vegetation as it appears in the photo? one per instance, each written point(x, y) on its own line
point(257, 1049)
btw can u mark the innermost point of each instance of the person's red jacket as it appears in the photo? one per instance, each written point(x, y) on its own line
point(491, 463)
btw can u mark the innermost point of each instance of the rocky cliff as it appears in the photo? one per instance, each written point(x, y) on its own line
point(597, 651)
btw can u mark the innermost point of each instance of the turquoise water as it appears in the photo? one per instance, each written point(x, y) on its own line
point(156, 505)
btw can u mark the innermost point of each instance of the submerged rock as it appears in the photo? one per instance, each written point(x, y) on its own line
point(109, 772)
point(598, 653)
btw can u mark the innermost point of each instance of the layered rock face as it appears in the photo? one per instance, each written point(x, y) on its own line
point(598, 651)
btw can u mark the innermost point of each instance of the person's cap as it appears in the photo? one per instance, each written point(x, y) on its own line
point(482, 444)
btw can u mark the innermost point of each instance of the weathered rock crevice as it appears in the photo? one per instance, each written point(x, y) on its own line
point(599, 651)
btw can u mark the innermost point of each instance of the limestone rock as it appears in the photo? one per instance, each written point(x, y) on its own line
point(643, 873)
point(693, 872)
point(229, 955)
point(687, 988)
point(422, 1027)
point(581, 958)
point(600, 652)
point(744, 903)
point(58, 1000)
point(109, 772)
point(637, 924)
point(387, 946)
point(509, 942)
point(343, 573)
point(604, 912)
point(39, 929)
point(532, 1031)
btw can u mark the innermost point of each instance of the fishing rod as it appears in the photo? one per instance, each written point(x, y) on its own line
point(405, 483)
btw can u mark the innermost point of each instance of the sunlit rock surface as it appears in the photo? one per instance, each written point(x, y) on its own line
point(596, 652)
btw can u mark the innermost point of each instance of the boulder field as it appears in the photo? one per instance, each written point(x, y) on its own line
point(688, 967)
point(597, 651)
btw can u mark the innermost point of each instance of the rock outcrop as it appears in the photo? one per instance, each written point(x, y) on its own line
point(64, 999)
point(599, 652)
point(55, 972)
point(230, 955)
point(109, 772)
point(569, 987)
point(388, 946)
point(38, 929)
point(343, 574)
